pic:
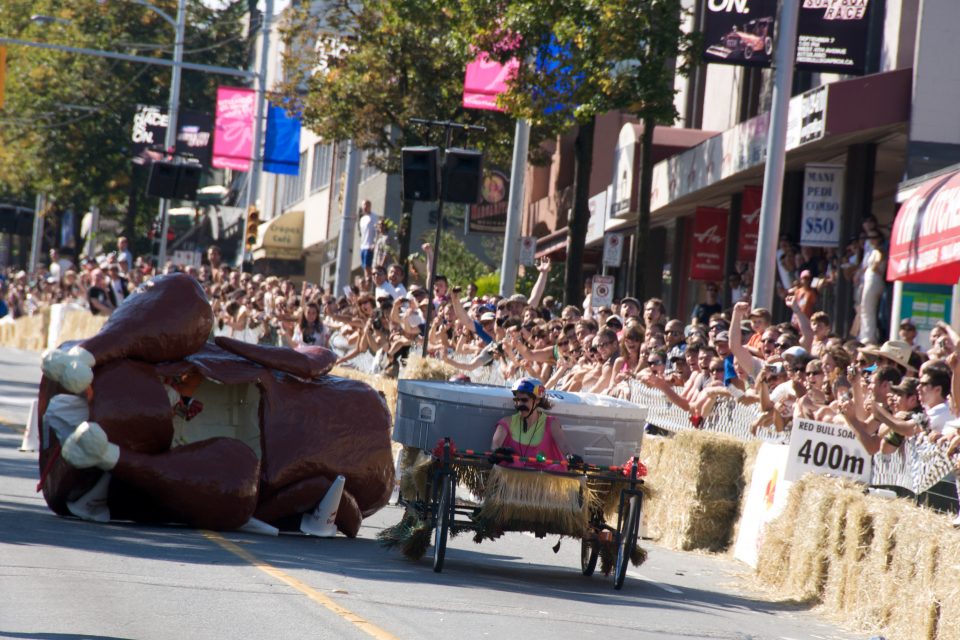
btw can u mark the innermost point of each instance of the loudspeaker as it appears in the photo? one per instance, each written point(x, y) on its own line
point(188, 180)
point(25, 223)
point(162, 182)
point(462, 176)
point(8, 220)
point(419, 173)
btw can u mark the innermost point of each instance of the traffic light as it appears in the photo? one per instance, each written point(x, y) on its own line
point(253, 229)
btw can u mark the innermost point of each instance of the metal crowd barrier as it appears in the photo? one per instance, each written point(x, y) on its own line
point(916, 467)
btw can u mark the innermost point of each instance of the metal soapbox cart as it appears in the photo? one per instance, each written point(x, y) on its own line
point(449, 426)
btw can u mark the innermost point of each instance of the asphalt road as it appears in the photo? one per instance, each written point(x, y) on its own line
point(67, 579)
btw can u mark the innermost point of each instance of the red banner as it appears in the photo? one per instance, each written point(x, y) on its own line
point(749, 224)
point(709, 241)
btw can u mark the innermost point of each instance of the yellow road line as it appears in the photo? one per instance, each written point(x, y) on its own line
point(367, 627)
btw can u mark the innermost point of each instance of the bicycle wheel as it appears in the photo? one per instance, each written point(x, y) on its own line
point(444, 518)
point(589, 552)
point(627, 541)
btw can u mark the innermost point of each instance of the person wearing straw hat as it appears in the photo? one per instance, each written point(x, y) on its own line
point(530, 433)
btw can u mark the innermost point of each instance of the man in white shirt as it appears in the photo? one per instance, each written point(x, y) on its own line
point(393, 285)
point(368, 224)
point(934, 388)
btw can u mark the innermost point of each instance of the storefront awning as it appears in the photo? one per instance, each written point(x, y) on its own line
point(925, 243)
point(281, 238)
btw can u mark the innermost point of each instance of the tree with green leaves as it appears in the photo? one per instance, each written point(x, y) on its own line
point(65, 128)
point(362, 70)
point(583, 58)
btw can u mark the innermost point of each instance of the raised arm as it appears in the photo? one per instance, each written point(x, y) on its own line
point(739, 350)
point(536, 294)
point(806, 329)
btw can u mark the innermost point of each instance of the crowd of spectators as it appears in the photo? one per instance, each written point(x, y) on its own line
point(802, 368)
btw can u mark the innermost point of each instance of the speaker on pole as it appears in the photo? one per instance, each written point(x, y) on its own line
point(462, 176)
point(162, 181)
point(188, 180)
point(419, 173)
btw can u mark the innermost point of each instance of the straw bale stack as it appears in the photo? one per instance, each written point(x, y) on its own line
point(28, 332)
point(419, 368)
point(886, 566)
point(696, 485)
point(78, 325)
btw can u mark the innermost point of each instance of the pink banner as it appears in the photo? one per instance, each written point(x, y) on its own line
point(485, 81)
point(233, 133)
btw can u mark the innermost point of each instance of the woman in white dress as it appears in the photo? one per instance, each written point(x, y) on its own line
point(874, 272)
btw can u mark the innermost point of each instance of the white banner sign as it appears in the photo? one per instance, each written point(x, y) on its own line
point(765, 500)
point(826, 449)
point(186, 258)
point(602, 293)
point(822, 205)
point(597, 205)
point(528, 250)
point(613, 249)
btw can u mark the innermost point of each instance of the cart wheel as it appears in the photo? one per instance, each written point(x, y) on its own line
point(589, 552)
point(627, 541)
point(444, 517)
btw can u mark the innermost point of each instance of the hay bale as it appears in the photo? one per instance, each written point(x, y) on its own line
point(79, 325)
point(696, 487)
point(946, 583)
point(884, 566)
point(912, 606)
point(847, 545)
point(794, 554)
point(419, 368)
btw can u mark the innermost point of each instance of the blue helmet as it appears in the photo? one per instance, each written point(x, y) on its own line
point(531, 386)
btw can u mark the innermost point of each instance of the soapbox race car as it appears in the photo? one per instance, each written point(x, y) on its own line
point(451, 484)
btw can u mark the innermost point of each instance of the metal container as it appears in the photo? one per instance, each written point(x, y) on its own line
point(604, 430)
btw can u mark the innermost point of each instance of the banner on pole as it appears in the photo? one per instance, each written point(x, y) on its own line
point(749, 223)
point(709, 244)
point(490, 215)
point(597, 206)
point(194, 134)
point(528, 250)
point(281, 147)
point(233, 135)
point(484, 81)
point(822, 205)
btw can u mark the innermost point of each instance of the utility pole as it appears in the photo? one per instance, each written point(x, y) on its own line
point(765, 270)
point(511, 242)
point(253, 184)
point(170, 138)
point(348, 217)
point(36, 239)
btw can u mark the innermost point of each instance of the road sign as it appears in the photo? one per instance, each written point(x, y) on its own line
point(602, 293)
point(528, 250)
point(612, 249)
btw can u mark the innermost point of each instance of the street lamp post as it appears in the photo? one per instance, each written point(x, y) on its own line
point(170, 139)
